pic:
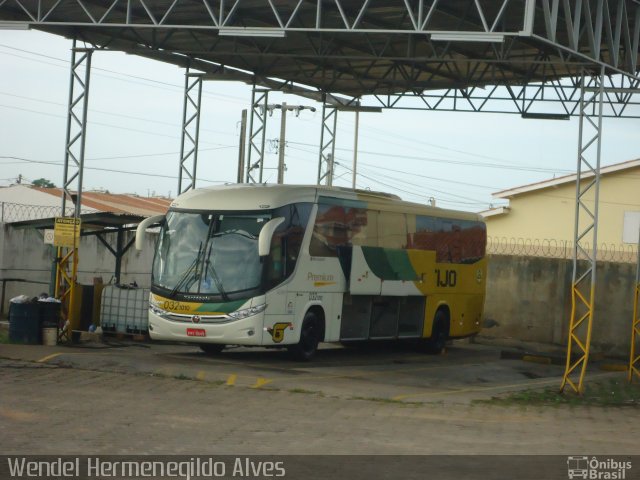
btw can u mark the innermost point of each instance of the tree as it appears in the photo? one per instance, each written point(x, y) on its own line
point(44, 183)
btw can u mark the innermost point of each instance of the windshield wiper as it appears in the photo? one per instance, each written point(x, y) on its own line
point(242, 233)
point(187, 274)
point(210, 268)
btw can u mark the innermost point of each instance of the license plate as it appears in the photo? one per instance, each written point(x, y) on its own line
point(196, 332)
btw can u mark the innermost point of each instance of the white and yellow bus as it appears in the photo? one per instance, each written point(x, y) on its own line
point(292, 266)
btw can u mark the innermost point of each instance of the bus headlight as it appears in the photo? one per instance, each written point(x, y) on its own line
point(155, 309)
point(247, 312)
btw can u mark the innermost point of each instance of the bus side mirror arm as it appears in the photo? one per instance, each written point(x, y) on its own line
point(266, 234)
point(141, 231)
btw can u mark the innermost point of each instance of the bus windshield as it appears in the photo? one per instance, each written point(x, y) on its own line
point(210, 254)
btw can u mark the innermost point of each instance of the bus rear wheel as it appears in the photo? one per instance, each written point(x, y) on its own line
point(307, 347)
point(212, 348)
point(439, 334)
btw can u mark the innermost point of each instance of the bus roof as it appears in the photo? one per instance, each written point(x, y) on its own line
point(250, 196)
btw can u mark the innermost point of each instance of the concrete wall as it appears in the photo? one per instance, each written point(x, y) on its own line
point(24, 255)
point(530, 299)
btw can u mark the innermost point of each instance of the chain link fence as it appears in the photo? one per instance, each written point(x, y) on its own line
point(554, 248)
point(17, 212)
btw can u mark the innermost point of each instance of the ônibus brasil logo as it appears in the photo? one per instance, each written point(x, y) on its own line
point(581, 466)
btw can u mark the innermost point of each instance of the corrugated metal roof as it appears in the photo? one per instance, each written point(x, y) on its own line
point(22, 202)
point(118, 203)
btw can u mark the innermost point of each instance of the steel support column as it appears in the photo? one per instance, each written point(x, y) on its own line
point(76, 127)
point(327, 144)
point(586, 233)
point(257, 135)
point(73, 173)
point(190, 131)
point(634, 355)
point(119, 251)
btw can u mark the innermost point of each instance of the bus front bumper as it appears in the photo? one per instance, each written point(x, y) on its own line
point(245, 331)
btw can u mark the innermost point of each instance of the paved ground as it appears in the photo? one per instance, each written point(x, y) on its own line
point(465, 372)
point(171, 399)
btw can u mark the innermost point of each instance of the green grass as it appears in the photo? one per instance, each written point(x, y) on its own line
point(4, 336)
point(599, 393)
point(387, 400)
point(302, 390)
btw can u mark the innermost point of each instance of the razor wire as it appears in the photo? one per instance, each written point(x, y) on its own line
point(557, 248)
point(17, 212)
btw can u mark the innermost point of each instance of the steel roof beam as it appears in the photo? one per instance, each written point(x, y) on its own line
point(362, 47)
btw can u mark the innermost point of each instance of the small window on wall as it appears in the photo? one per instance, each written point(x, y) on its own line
point(631, 227)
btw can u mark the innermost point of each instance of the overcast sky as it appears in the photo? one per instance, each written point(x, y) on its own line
point(135, 118)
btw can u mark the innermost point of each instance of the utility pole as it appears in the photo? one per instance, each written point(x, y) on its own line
point(283, 131)
point(355, 150)
point(330, 163)
point(243, 135)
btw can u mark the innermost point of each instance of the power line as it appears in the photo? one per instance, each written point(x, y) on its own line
point(413, 174)
point(158, 83)
point(142, 155)
point(404, 182)
point(449, 161)
point(119, 127)
point(111, 170)
point(91, 110)
point(421, 195)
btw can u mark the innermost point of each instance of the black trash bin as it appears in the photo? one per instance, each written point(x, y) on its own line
point(49, 314)
point(24, 323)
point(49, 322)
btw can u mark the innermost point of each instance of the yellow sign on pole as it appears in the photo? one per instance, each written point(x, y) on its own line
point(66, 232)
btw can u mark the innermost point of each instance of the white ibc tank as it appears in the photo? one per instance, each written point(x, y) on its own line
point(124, 310)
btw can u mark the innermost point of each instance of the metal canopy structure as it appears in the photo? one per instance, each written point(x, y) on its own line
point(392, 50)
point(549, 59)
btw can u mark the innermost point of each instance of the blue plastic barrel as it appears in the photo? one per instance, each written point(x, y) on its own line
point(24, 323)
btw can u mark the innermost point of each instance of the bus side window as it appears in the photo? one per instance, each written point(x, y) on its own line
point(473, 240)
point(329, 231)
point(286, 242)
point(424, 238)
point(364, 227)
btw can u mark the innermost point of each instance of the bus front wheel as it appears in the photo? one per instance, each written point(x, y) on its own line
point(307, 347)
point(212, 348)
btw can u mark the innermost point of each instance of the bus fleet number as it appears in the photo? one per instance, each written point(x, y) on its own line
point(174, 306)
point(446, 278)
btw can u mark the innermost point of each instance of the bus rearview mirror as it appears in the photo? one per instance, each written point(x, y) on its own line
point(264, 239)
point(141, 231)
